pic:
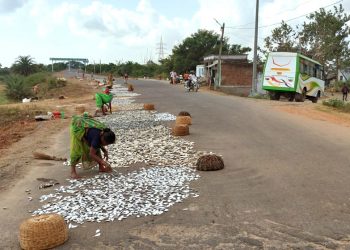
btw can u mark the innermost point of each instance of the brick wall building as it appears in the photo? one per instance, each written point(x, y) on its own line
point(236, 73)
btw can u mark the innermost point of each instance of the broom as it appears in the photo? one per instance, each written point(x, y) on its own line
point(42, 156)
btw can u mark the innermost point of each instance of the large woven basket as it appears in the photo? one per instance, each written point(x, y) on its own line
point(148, 106)
point(184, 113)
point(43, 232)
point(184, 120)
point(181, 130)
point(209, 163)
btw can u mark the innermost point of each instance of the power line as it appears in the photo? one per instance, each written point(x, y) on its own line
point(242, 25)
point(265, 26)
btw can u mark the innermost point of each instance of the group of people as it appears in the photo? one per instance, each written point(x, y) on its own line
point(186, 77)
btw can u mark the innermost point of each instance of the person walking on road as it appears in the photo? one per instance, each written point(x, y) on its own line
point(345, 91)
point(126, 78)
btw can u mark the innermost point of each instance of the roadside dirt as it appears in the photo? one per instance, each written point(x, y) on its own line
point(19, 138)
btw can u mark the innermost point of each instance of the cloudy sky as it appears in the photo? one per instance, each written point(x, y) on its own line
point(122, 30)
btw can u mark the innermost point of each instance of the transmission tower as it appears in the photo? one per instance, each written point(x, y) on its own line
point(160, 49)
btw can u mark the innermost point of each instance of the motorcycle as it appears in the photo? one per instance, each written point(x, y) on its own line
point(192, 85)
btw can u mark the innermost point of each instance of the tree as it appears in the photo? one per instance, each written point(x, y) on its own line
point(283, 38)
point(237, 49)
point(190, 52)
point(326, 36)
point(24, 65)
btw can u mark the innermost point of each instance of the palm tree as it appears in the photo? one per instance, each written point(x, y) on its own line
point(24, 65)
point(15, 87)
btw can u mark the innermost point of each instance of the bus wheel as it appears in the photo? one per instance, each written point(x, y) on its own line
point(315, 98)
point(291, 97)
point(274, 95)
point(277, 96)
point(300, 97)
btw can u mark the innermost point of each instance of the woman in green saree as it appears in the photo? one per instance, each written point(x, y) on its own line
point(88, 137)
point(102, 99)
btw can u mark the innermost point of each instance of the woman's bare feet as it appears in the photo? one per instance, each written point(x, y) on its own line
point(74, 176)
point(73, 173)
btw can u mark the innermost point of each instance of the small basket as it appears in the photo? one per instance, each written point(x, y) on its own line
point(43, 232)
point(180, 130)
point(184, 113)
point(209, 163)
point(184, 120)
point(148, 106)
point(130, 87)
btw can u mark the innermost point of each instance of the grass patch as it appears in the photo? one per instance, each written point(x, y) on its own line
point(337, 104)
point(3, 97)
point(9, 113)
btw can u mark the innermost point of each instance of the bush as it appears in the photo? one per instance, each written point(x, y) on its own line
point(338, 85)
point(16, 87)
point(346, 108)
point(36, 78)
point(335, 103)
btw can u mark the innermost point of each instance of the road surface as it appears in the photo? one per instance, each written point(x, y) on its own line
point(285, 183)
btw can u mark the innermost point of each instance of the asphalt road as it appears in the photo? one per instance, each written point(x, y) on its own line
point(285, 183)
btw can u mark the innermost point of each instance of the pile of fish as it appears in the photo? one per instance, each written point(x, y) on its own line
point(153, 145)
point(140, 138)
point(109, 197)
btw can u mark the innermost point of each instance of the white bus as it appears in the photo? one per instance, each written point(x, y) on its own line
point(294, 76)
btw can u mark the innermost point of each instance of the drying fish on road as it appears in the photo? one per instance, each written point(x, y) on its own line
point(110, 197)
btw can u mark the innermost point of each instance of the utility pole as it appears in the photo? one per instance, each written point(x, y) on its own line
point(94, 67)
point(222, 27)
point(100, 67)
point(254, 79)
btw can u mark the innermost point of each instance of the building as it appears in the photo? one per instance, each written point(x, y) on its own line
point(236, 72)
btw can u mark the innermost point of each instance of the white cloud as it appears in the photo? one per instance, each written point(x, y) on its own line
point(102, 30)
point(8, 6)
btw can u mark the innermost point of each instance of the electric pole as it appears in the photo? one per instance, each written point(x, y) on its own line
point(222, 27)
point(254, 79)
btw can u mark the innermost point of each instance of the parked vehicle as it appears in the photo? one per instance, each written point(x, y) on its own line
point(294, 76)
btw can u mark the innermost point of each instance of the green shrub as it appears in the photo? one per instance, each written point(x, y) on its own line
point(16, 87)
point(335, 103)
point(338, 85)
point(346, 108)
point(37, 78)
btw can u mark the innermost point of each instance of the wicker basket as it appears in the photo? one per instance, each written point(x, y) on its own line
point(184, 120)
point(209, 163)
point(148, 106)
point(43, 232)
point(181, 130)
point(184, 113)
point(80, 109)
point(130, 87)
